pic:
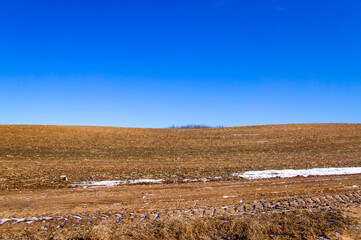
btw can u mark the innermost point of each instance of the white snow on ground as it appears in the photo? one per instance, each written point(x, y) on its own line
point(196, 180)
point(145, 181)
point(263, 174)
point(4, 220)
point(202, 180)
point(17, 220)
point(289, 173)
point(113, 183)
point(229, 196)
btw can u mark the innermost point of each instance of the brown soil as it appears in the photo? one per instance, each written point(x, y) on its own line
point(65, 211)
point(36, 156)
point(32, 159)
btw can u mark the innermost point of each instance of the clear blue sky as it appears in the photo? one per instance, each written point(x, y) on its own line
point(158, 63)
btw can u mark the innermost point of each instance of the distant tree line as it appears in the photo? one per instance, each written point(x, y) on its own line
point(194, 126)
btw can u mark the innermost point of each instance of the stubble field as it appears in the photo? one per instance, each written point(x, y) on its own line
point(196, 185)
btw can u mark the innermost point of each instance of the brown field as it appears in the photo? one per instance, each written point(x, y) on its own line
point(35, 156)
point(32, 159)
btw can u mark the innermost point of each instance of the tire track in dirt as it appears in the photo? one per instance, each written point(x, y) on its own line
point(277, 205)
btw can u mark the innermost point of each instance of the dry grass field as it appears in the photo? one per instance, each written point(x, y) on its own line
point(199, 197)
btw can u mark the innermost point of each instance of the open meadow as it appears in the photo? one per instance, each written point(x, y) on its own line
point(71, 182)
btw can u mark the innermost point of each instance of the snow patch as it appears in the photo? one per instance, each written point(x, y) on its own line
point(17, 220)
point(145, 181)
point(229, 196)
point(196, 180)
point(113, 183)
point(4, 220)
point(289, 173)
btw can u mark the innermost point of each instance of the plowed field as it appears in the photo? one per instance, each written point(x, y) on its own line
point(195, 166)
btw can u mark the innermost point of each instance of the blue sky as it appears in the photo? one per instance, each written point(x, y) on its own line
point(158, 63)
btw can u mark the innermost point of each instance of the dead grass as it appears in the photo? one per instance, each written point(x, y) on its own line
point(290, 225)
point(35, 156)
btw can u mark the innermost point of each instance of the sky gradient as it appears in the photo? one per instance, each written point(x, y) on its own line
point(159, 63)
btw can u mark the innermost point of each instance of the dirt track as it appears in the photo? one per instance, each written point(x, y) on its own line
point(65, 208)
